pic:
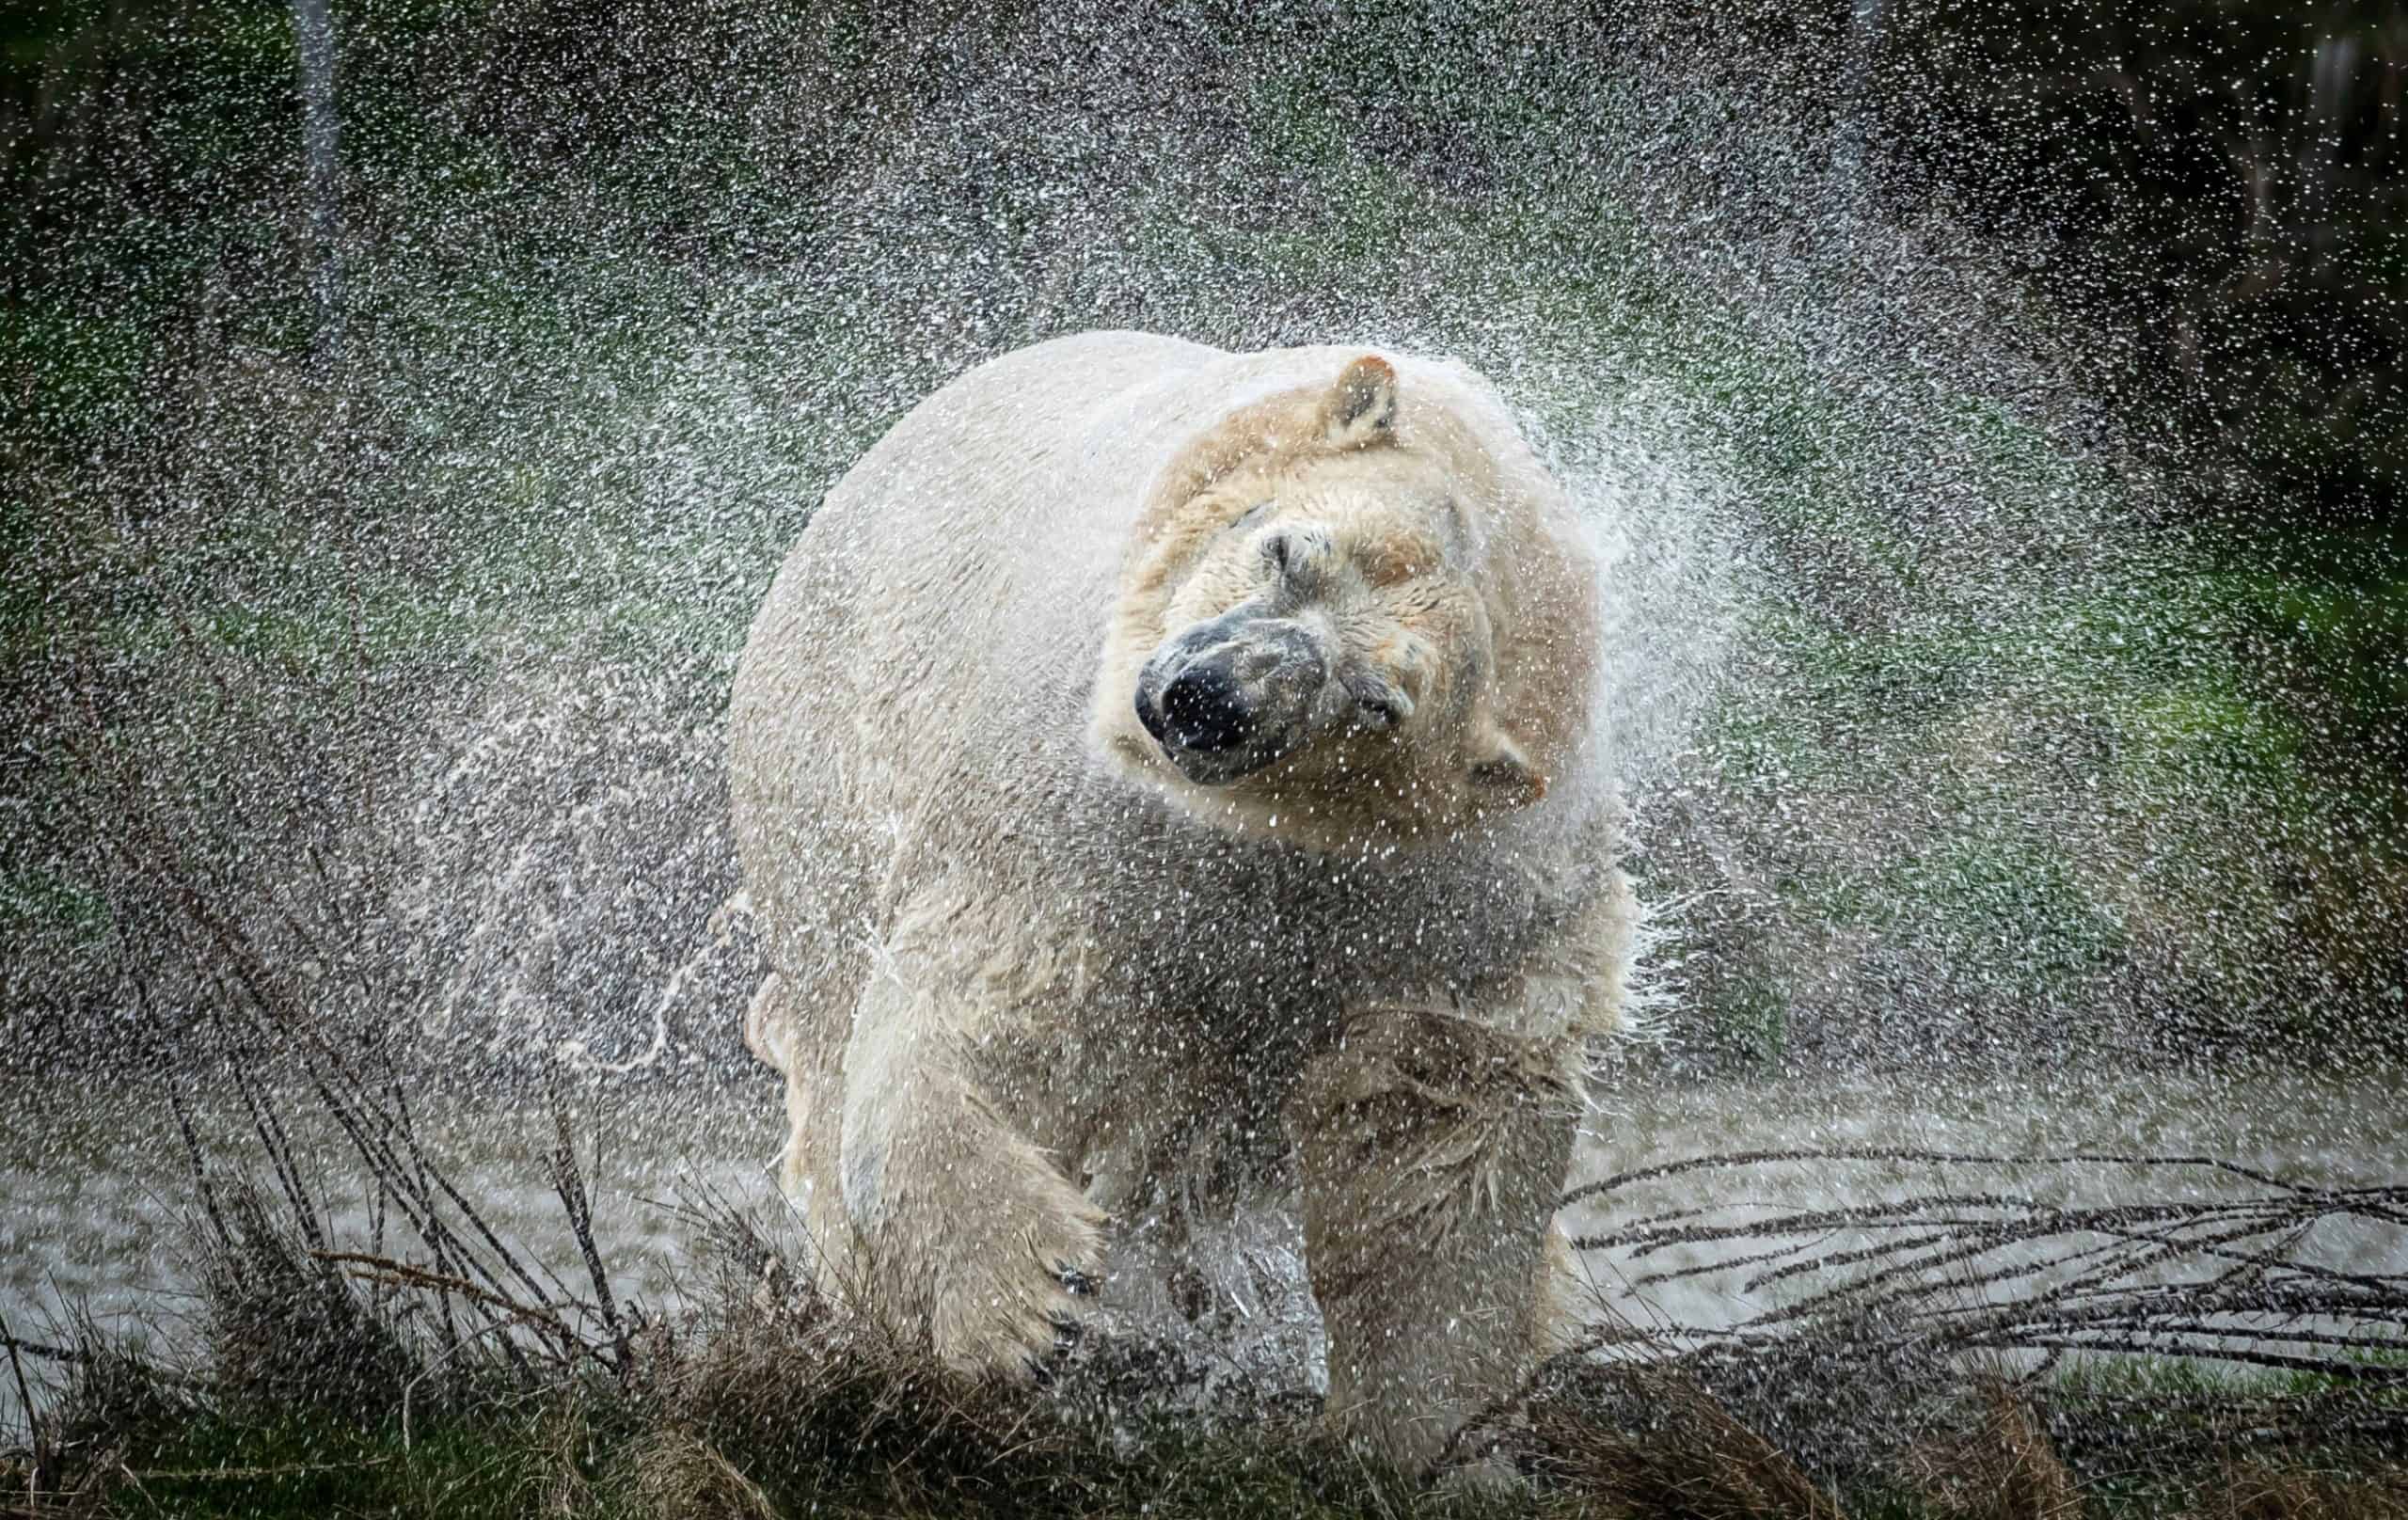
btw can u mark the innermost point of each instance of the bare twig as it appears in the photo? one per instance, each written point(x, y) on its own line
point(569, 1183)
point(390, 1272)
point(44, 1472)
point(1938, 1158)
point(2219, 1278)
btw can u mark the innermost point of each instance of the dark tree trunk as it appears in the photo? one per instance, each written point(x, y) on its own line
point(313, 29)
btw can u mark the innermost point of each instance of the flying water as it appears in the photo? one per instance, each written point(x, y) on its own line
point(412, 657)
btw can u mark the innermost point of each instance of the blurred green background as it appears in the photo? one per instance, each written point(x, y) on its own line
point(2045, 358)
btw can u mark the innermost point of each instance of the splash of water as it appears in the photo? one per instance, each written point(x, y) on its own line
point(1900, 684)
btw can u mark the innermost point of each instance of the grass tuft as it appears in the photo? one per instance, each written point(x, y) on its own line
point(1685, 1456)
point(681, 1477)
point(2257, 1491)
point(2004, 1470)
point(286, 1328)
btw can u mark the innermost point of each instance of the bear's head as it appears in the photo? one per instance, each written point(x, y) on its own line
point(1313, 618)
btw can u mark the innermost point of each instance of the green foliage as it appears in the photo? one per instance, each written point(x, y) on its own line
point(555, 291)
point(597, 1455)
point(1751, 1015)
point(71, 370)
point(313, 1465)
point(37, 900)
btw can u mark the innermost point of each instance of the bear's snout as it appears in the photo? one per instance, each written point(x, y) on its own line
point(1230, 696)
point(1205, 710)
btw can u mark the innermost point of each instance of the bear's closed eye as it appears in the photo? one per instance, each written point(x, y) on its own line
point(1381, 713)
point(1298, 556)
point(1379, 703)
point(1392, 561)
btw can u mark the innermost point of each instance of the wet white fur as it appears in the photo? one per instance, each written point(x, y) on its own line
point(1025, 992)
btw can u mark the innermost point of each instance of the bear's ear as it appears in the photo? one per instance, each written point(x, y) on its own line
point(1360, 409)
point(1502, 775)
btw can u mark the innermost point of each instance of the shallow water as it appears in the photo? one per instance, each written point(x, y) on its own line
point(97, 1191)
point(2336, 1130)
point(100, 1193)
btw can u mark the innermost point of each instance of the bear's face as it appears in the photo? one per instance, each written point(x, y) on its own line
point(1324, 642)
point(1319, 620)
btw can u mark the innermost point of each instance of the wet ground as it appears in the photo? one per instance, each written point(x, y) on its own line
point(97, 1185)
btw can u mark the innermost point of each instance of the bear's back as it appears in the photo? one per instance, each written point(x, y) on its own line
point(912, 705)
point(914, 680)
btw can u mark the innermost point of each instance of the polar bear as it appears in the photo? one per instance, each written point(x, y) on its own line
point(1165, 774)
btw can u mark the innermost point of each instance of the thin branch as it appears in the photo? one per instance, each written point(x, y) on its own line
point(1935, 1158)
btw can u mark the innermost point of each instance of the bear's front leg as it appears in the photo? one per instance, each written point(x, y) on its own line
point(1433, 1150)
point(963, 1232)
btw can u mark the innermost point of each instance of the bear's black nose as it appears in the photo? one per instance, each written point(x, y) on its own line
point(1204, 711)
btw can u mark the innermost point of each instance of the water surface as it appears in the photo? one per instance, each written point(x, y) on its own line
point(98, 1188)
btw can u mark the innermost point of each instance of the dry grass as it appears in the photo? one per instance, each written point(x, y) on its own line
point(2257, 1491)
point(2004, 1470)
point(1684, 1457)
point(765, 1398)
point(840, 1396)
point(564, 1446)
point(286, 1327)
point(679, 1477)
